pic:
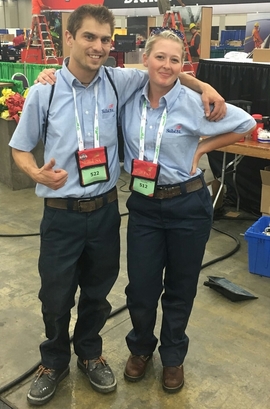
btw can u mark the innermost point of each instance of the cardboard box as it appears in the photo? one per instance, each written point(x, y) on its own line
point(6, 38)
point(265, 198)
point(235, 43)
point(213, 188)
point(261, 55)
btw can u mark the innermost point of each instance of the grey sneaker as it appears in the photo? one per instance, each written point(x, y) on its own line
point(44, 384)
point(100, 375)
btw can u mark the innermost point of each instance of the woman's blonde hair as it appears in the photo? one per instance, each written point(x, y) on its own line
point(165, 34)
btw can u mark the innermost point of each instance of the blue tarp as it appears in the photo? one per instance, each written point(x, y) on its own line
point(231, 35)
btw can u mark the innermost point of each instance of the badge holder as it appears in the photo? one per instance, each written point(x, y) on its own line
point(144, 176)
point(93, 166)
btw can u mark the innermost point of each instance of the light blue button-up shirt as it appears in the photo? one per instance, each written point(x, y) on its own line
point(186, 123)
point(61, 141)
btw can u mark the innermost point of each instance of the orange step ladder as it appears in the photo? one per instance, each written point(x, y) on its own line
point(173, 19)
point(40, 36)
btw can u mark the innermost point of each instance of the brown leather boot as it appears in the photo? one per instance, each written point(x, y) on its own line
point(135, 367)
point(173, 378)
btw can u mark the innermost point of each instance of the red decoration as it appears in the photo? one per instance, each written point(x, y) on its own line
point(59, 5)
point(15, 105)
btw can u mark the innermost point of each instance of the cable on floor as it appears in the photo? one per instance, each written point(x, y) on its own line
point(19, 235)
point(227, 255)
point(124, 184)
point(118, 310)
point(35, 367)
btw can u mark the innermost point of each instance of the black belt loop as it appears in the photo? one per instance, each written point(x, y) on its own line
point(202, 178)
point(105, 199)
point(183, 188)
point(70, 204)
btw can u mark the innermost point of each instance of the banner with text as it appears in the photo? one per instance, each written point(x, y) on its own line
point(118, 4)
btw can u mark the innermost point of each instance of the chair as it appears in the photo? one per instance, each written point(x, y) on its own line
point(18, 76)
point(110, 62)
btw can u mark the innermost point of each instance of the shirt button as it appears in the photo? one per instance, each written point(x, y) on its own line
point(88, 134)
point(86, 112)
point(150, 127)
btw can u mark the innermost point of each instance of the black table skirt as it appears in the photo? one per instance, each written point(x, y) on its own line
point(239, 80)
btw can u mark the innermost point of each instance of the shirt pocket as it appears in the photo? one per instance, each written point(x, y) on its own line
point(109, 117)
point(173, 137)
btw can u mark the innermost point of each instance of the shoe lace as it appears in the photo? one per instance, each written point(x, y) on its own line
point(42, 370)
point(99, 360)
point(142, 357)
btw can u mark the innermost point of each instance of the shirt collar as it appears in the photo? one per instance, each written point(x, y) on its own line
point(168, 99)
point(72, 80)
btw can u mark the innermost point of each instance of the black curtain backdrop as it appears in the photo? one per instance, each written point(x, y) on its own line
point(240, 81)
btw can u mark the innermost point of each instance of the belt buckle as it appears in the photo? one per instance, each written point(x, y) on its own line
point(82, 201)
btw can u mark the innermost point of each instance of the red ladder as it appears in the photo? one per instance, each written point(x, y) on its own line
point(173, 19)
point(40, 36)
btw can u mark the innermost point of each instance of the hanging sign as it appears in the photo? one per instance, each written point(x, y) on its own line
point(61, 5)
point(118, 4)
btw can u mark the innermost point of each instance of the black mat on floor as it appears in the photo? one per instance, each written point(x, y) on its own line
point(4, 404)
point(228, 289)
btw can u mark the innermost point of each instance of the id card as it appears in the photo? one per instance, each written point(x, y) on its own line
point(144, 176)
point(93, 166)
point(143, 186)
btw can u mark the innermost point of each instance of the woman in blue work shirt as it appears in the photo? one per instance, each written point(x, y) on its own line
point(170, 209)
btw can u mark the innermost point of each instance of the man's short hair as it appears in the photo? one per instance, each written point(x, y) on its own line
point(100, 13)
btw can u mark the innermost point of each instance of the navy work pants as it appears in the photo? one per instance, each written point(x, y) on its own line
point(77, 250)
point(166, 241)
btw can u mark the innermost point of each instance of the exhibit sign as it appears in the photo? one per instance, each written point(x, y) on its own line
point(257, 32)
point(61, 5)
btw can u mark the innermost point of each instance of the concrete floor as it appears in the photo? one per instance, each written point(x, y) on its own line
point(227, 366)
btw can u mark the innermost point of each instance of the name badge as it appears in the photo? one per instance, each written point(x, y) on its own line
point(93, 166)
point(144, 177)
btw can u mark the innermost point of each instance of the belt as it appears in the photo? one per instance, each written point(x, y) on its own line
point(167, 192)
point(83, 205)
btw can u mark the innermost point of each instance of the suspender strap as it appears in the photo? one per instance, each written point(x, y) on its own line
point(119, 127)
point(115, 91)
point(47, 117)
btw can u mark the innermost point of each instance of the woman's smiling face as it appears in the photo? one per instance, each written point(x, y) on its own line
point(164, 62)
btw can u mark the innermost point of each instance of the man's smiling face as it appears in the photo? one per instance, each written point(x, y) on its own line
point(90, 48)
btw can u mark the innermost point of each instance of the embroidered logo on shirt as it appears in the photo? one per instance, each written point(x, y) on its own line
point(176, 129)
point(108, 110)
